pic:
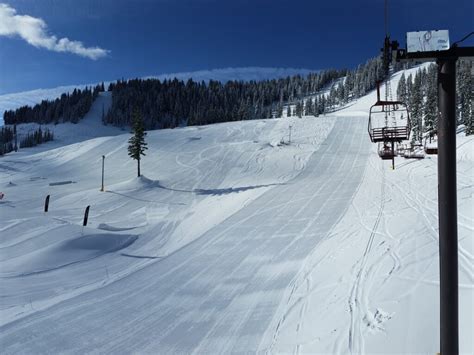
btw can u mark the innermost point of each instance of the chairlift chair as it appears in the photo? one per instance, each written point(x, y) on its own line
point(389, 121)
point(414, 153)
point(387, 151)
point(402, 148)
point(431, 146)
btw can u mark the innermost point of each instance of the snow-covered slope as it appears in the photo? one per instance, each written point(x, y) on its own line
point(231, 242)
point(67, 133)
point(372, 286)
point(14, 100)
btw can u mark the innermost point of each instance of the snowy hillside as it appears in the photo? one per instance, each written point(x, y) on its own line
point(14, 100)
point(232, 241)
point(240, 74)
point(67, 133)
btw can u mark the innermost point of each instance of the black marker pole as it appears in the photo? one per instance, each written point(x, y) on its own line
point(46, 204)
point(103, 165)
point(86, 216)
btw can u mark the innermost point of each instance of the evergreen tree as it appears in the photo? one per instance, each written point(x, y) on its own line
point(416, 108)
point(137, 144)
point(309, 107)
point(409, 89)
point(316, 106)
point(341, 93)
point(465, 88)
point(331, 102)
point(15, 146)
point(6, 138)
point(279, 110)
point(402, 93)
point(37, 137)
point(431, 104)
point(322, 104)
point(299, 109)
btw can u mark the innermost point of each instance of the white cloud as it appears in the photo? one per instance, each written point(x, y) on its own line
point(35, 31)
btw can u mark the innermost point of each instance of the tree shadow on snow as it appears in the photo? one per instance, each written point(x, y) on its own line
point(141, 256)
point(223, 191)
point(145, 200)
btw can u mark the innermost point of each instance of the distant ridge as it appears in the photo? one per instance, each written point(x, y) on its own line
point(14, 100)
point(244, 74)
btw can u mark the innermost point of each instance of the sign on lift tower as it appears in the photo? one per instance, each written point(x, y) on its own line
point(425, 41)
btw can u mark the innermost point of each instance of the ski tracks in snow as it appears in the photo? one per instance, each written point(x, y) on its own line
point(221, 292)
point(358, 299)
point(302, 287)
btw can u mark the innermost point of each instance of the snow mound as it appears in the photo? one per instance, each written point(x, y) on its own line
point(110, 228)
point(137, 183)
point(67, 252)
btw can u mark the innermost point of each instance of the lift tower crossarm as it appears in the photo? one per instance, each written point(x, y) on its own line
point(454, 52)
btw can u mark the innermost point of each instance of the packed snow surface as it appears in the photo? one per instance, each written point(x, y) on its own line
point(233, 240)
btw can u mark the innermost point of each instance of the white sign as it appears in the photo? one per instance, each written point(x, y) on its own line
point(427, 41)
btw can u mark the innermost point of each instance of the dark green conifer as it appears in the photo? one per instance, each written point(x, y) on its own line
point(137, 144)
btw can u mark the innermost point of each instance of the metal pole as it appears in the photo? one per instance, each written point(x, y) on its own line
point(447, 207)
point(289, 138)
point(393, 157)
point(103, 163)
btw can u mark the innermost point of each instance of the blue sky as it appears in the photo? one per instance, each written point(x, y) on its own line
point(111, 39)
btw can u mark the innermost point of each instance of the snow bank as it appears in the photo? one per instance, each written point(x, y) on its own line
point(61, 254)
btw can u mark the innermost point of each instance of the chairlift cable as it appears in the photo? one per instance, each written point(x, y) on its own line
point(462, 39)
point(388, 84)
point(393, 125)
point(386, 67)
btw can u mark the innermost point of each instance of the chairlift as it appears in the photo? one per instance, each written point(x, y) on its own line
point(414, 152)
point(402, 148)
point(431, 143)
point(387, 150)
point(431, 148)
point(389, 121)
